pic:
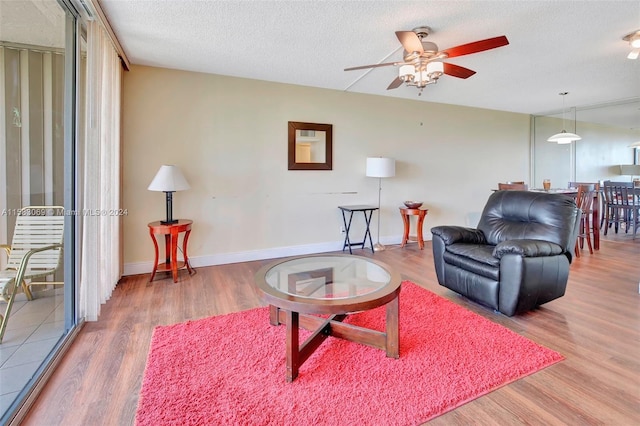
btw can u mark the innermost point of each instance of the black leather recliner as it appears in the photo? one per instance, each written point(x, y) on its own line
point(519, 255)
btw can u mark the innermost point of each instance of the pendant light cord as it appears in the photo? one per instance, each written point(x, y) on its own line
point(564, 118)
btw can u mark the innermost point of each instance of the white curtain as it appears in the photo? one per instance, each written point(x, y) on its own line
point(101, 213)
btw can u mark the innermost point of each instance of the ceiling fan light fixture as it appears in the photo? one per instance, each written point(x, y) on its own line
point(421, 76)
point(635, 41)
point(406, 73)
point(435, 69)
point(422, 59)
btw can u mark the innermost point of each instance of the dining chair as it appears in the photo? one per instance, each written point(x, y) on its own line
point(35, 253)
point(513, 186)
point(621, 206)
point(596, 211)
point(584, 201)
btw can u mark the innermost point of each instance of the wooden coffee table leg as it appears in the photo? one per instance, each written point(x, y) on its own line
point(293, 348)
point(392, 320)
point(274, 314)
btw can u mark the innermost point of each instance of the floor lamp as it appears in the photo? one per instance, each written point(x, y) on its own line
point(381, 168)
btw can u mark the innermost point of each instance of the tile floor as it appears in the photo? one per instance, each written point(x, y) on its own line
point(33, 330)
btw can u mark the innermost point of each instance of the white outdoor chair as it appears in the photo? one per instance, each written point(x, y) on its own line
point(35, 252)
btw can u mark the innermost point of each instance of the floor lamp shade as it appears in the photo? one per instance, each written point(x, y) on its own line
point(168, 180)
point(381, 167)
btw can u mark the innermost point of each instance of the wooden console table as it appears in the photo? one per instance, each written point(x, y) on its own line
point(171, 232)
point(405, 213)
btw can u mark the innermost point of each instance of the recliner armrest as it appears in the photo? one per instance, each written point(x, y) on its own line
point(459, 234)
point(527, 248)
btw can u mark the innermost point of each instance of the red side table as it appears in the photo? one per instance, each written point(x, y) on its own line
point(405, 213)
point(171, 232)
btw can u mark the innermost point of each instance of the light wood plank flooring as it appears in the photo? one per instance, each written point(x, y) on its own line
point(596, 326)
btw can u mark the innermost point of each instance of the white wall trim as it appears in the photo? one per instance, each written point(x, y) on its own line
point(251, 255)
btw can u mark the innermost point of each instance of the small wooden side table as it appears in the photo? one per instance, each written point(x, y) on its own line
point(171, 232)
point(405, 213)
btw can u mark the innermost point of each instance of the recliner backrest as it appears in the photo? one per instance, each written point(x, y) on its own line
point(510, 215)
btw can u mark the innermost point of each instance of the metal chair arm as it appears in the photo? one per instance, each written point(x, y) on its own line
point(25, 260)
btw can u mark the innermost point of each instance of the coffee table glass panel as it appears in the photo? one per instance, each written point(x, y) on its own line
point(329, 284)
point(327, 278)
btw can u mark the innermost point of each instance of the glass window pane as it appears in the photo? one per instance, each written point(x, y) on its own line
point(32, 154)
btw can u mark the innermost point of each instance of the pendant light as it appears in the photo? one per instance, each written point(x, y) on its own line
point(634, 41)
point(564, 137)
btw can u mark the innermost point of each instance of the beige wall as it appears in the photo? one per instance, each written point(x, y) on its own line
point(229, 137)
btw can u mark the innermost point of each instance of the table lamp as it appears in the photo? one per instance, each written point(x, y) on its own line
point(381, 168)
point(168, 180)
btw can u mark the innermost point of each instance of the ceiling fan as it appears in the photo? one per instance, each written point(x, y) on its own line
point(422, 60)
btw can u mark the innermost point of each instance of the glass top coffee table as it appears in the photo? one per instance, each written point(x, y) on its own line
point(336, 285)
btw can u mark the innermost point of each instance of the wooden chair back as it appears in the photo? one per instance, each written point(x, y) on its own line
point(619, 195)
point(584, 199)
point(622, 206)
point(591, 185)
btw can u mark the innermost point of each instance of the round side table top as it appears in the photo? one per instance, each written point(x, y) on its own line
point(418, 211)
point(160, 227)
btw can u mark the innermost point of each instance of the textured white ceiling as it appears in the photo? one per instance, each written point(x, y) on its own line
point(555, 46)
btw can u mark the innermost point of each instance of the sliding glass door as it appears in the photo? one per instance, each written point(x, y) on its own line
point(37, 139)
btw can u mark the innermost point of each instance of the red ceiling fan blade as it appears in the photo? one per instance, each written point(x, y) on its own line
point(457, 71)
point(476, 46)
point(362, 67)
point(395, 83)
point(410, 41)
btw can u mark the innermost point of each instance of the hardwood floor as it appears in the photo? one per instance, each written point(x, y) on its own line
point(596, 326)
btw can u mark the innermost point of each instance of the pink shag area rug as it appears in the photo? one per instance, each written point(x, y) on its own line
point(230, 369)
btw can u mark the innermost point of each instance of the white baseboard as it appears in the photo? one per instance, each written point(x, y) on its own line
point(251, 255)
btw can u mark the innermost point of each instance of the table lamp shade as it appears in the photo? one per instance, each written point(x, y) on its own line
point(381, 167)
point(168, 179)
